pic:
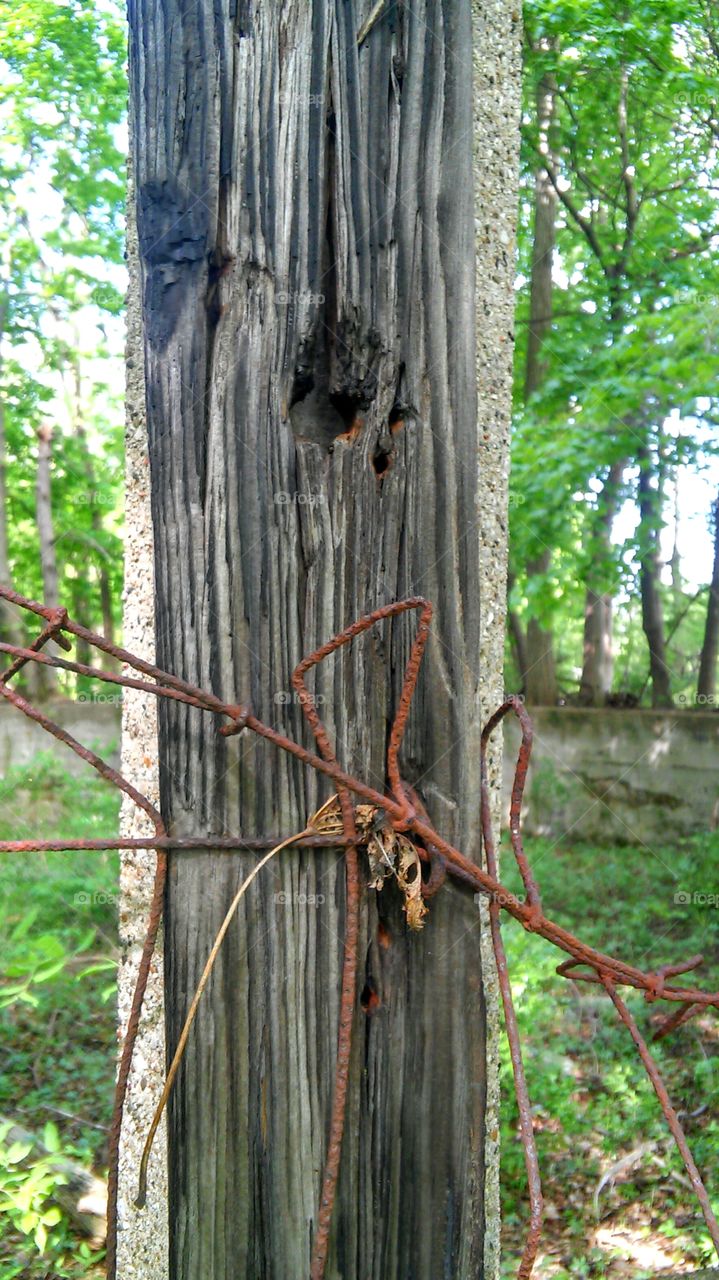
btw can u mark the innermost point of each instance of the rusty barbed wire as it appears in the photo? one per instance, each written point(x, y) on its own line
point(406, 814)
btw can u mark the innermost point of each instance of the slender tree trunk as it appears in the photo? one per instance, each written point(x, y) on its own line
point(706, 685)
point(598, 662)
point(8, 618)
point(516, 632)
point(539, 675)
point(519, 642)
point(650, 578)
point(43, 509)
point(80, 614)
point(106, 606)
point(544, 238)
point(10, 625)
point(103, 575)
point(676, 560)
point(598, 659)
point(305, 218)
point(46, 536)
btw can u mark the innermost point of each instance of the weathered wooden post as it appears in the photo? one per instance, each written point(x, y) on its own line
point(305, 213)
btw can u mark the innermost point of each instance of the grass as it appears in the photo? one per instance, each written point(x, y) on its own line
point(592, 1103)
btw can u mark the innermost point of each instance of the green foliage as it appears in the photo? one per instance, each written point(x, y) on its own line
point(62, 98)
point(25, 1189)
point(57, 1029)
point(630, 364)
point(62, 172)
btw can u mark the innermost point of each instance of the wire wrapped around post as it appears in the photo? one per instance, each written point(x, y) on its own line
point(404, 814)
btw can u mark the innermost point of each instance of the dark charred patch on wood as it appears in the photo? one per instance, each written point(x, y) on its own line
point(241, 12)
point(173, 230)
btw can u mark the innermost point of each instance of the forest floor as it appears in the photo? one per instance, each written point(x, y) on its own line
point(57, 1020)
point(617, 1199)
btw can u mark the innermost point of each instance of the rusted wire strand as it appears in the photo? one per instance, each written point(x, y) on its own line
point(457, 864)
point(406, 815)
point(328, 1189)
point(128, 1045)
point(50, 632)
point(670, 1114)
point(676, 1019)
point(215, 844)
point(531, 1161)
point(516, 706)
point(111, 775)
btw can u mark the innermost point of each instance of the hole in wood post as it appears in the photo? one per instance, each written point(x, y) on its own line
point(369, 999)
point(304, 383)
point(381, 460)
point(347, 407)
point(395, 421)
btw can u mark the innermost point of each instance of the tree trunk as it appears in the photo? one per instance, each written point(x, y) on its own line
point(307, 251)
point(706, 685)
point(9, 621)
point(43, 508)
point(46, 536)
point(516, 633)
point(81, 614)
point(650, 578)
point(544, 238)
point(103, 576)
point(539, 675)
point(598, 660)
point(8, 618)
point(10, 626)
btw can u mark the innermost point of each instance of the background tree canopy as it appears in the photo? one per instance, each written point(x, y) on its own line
point(62, 160)
point(617, 338)
point(616, 387)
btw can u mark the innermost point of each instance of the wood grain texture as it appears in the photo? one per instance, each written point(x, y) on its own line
point(305, 216)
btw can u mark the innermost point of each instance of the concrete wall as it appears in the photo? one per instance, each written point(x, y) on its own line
point(631, 777)
point(497, 40)
point(94, 723)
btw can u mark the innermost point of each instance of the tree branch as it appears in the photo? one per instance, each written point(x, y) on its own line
point(583, 223)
